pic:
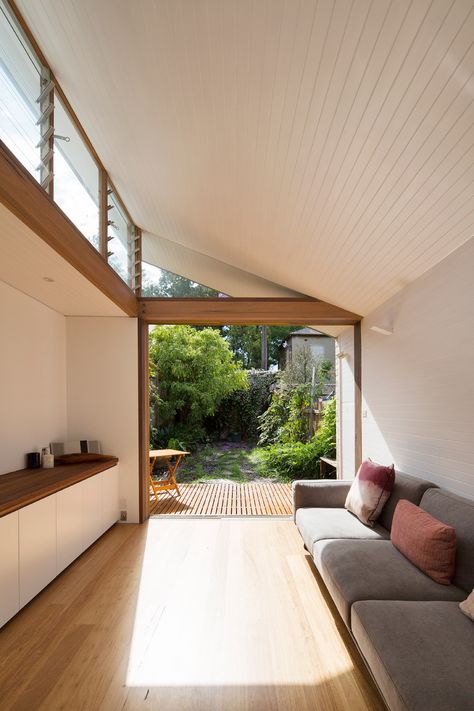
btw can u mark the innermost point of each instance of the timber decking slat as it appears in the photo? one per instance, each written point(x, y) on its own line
point(225, 499)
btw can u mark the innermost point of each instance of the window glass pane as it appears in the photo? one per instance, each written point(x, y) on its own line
point(20, 87)
point(119, 237)
point(76, 176)
point(159, 282)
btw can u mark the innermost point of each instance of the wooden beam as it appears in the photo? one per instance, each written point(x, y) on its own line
point(143, 421)
point(244, 311)
point(21, 194)
point(357, 395)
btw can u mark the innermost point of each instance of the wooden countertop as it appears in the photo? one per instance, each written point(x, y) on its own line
point(25, 486)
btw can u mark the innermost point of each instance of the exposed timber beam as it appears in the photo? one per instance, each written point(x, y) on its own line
point(21, 194)
point(244, 311)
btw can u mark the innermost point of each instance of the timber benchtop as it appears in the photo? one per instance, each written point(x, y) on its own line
point(25, 486)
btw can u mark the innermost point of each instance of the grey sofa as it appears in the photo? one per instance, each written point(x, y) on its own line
point(415, 640)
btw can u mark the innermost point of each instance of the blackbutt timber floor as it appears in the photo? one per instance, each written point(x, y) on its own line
point(185, 615)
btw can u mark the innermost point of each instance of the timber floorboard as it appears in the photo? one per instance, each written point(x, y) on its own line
point(185, 615)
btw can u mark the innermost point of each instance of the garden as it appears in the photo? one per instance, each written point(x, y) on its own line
point(240, 423)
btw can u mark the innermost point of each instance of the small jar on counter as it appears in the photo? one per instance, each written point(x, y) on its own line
point(47, 459)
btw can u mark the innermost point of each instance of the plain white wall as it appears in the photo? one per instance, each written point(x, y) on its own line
point(102, 393)
point(32, 377)
point(418, 383)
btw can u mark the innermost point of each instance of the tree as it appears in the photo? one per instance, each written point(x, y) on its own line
point(192, 371)
point(246, 343)
point(159, 282)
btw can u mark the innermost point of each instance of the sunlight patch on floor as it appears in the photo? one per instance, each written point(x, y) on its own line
point(216, 606)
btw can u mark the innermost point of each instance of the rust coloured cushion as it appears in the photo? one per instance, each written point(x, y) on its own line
point(369, 491)
point(426, 542)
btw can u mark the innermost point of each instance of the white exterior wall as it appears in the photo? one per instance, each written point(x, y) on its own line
point(32, 377)
point(102, 394)
point(418, 383)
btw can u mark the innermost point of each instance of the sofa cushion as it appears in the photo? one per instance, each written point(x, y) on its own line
point(318, 524)
point(420, 653)
point(369, 491)
point(458, 512)
point(405, 487)
point(425, 541)
point(374, 570)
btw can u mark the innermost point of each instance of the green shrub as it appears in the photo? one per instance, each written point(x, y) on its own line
point(240, 411)
point(326, 432)
point(287, 419)
point(300, 460)
point(188, 437)
point(271, 422)
point(290, 461)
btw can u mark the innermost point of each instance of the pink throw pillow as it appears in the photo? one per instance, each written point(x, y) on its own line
point(426, 542)
point(369, 491)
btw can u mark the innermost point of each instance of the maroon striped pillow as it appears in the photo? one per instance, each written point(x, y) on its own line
point(426, 542)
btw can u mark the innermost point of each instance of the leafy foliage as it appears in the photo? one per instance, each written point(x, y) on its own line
point(326, 433)
point(159, 282)
point(300, 460)
point(191, 371)
point(297, 460)
point(240, 411)
point(287, 418)
point(246, 343)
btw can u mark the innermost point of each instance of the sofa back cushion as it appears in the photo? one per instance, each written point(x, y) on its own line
point(405, 487)
point(458, 512)
point(426, 542)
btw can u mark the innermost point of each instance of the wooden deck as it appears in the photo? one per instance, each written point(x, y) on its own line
point(225, 499)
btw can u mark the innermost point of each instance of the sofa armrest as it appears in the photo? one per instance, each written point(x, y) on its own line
point(322, 493)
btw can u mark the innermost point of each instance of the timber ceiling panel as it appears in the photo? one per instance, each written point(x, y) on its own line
point(323, 146)
point(25, 261)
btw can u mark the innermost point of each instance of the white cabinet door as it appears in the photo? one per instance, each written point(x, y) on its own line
point(70, 512)
point(110, 497)
point(9, 580)
point(92, 501)
point(37, 526)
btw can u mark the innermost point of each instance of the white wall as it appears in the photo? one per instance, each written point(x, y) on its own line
point(345, 405)
point(418, 383)
point(32, 377)
point(102, 393)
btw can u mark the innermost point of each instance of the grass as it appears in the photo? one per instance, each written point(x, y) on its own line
point(230, 461)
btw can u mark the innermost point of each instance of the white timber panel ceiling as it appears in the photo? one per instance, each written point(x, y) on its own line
point(208, 271)
point(323, 146)
point(31, 266)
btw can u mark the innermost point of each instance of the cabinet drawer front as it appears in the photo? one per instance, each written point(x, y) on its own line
point(37, 553)
point(9, 575)
point(70, 511)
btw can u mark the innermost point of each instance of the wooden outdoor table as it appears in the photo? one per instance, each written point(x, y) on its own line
point(169, 483)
